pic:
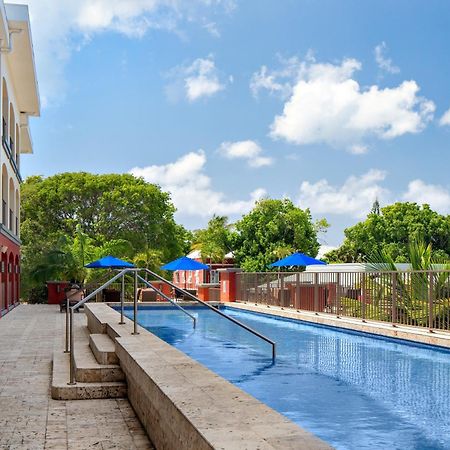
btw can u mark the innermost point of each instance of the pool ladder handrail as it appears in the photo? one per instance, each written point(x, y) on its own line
point(83, 288)
point(122, 273)
point(164, 296)
point(216, 310)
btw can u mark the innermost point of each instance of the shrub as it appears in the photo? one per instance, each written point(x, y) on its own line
point(37, 295)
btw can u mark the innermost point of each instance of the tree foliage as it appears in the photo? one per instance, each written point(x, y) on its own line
point(390, 230)
point(274, 228)
point(215, 241)
point(72, 218)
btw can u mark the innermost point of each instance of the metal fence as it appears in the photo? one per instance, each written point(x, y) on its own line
point(419, 298)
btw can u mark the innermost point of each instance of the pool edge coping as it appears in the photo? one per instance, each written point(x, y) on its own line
point(408, 335)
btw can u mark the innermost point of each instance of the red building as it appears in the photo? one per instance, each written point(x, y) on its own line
point(193, 279)
point(19, 100)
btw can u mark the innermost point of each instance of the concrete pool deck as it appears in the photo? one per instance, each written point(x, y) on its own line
point(29, 418)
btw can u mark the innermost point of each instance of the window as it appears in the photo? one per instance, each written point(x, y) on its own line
point(214, 277)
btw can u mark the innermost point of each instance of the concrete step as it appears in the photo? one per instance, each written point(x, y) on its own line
point(88, 370)
point(93, 380)
point(103, 349)
point(61, 390)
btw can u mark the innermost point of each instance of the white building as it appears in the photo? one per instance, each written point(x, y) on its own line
point(19, 101)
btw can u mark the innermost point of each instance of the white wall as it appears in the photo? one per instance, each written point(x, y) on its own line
point(4, 158)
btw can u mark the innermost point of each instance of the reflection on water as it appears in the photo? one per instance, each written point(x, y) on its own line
point(353, 391)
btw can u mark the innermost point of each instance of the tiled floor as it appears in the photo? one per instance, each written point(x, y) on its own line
point(29, 418)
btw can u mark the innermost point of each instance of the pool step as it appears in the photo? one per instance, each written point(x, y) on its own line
point(103, 349)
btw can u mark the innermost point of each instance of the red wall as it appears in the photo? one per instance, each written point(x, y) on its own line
point(9, 274)
point(228, 286)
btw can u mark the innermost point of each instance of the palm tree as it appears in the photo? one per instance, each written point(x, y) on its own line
point(148, 258)
point(429, 274)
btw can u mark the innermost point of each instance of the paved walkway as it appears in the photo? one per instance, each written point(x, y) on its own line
point(29, 418)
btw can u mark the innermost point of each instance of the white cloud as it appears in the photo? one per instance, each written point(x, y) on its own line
point(359, 149)
point(195, 80)
point(357, 194)
point(202, 79)
point(438, 197)
point(445, 119)
point(324, 249)
point(327, 105)
point(354, 197)
point(279, 81)
point(384, 63)
point(191, 188)
point(248, 150)
point(212, 29)
point(60, 28)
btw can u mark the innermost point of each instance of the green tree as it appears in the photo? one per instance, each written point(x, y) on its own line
point(271, 229)
point(215, 241)
point(391, 231)
point(78, 217)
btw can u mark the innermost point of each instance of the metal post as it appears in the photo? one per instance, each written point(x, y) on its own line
point(67, 325)
point(135, 331)
point(282, 290)
point(338, 295)
point(394, 299)
point(72, 349)
point(297, 290)
point(122, 299)
point(316, 292)
point(363, 297)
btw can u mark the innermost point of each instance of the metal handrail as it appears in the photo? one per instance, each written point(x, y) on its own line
point(168, 299)
point(135, 271)
point(75, 307)
point(237, 322)
point(82, 288)
point(103, 286)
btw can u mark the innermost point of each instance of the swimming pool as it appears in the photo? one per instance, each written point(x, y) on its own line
point(352, 390)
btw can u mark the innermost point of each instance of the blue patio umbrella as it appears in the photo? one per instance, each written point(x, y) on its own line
point(297, 259)
point(109, 262)
point(185, 263)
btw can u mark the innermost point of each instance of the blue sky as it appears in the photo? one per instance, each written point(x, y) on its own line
point(222, 102)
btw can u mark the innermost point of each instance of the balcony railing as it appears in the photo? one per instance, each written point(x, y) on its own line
point(417, 298)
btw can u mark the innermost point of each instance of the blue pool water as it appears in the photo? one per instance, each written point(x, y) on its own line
point(352, 390)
